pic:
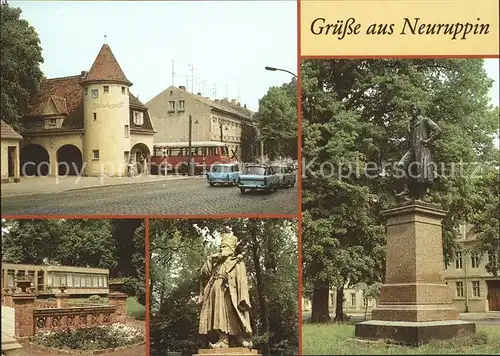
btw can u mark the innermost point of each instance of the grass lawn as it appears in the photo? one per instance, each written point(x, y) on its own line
point(134, 308)
point(337, 339)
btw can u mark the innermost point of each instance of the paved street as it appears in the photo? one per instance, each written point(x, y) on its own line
point(181, 196)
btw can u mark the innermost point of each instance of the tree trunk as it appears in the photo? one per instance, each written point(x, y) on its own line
point(260, 287)
point(339, 308)
point(321, 295)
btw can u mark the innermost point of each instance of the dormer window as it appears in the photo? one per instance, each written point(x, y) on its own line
point(138, 118)
point(106, 89)
point(95, 93)
point(123, 90)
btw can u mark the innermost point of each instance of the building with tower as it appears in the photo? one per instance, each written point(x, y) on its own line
point(88, 124)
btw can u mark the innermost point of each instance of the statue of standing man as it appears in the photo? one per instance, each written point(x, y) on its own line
point(225, 298)
point(417, 161)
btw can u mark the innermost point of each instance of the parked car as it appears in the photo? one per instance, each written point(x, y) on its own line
point(258, 177)
point(223, 174)
point(286, 174)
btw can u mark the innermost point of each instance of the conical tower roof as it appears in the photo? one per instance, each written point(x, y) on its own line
point(106, 68)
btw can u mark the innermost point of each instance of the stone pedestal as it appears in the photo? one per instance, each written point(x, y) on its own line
point(240, 351)
point(24, 305)
point(61, 300)
point(415, 304)
point(119, 300)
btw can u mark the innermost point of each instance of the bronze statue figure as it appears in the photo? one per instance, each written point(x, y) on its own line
point(225, 297)
point(417, 162)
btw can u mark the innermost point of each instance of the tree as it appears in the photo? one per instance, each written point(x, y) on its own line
point(355, 117)
point(277, 119)
point(117, 245)
point(179, 249)
point(20, 59)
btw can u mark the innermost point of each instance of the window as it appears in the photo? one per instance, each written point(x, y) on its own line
point(76, 280)
point(474, 260)
point(86, 91)
point(365, 302)
point(123, 90)
point(353, 299)
point(106, 89)
point(476, 291)
point(127, 131)
point(95, 116)
point(492, 260)
point(53, 121)
point(459, 289)
point(96, 155)
point(95, 93)
point(171, 106)
point(458, 260)
point(126, 155)
point(181, 105)
point(138, 118)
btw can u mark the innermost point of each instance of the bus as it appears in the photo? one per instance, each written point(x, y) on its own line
point(47, 280)
point(174, 156)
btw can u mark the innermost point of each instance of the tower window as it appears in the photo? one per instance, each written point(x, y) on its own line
point(95, 155)
point(127, 131)
point(95, 93)
point(86, 91)
point(106, 89)
point(123, 90)
point(95, 116)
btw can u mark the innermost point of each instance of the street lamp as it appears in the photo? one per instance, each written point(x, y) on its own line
point(273, 69)
point(190, 156)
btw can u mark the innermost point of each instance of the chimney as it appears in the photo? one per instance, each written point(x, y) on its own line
point(225, 99)
point(217, 100)
point(233, 101)
point(83, 74)
point(182, 87)
point(238, 103)
point(245, 106)
point(198, 93)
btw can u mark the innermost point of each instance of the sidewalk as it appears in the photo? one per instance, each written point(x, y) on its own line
point(46, 185)
point(492, 315)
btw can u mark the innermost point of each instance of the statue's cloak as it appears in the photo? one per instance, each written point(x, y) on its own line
point(226, 303)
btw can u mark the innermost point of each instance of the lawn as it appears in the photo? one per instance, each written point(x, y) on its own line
point(338, 339)
point(134, 308)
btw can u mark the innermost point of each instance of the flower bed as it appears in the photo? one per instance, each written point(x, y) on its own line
point(94, 338)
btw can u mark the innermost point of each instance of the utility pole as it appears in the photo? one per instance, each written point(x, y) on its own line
point(190, 153)
point(227, 96)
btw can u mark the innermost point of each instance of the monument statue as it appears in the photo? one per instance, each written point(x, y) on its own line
point(225, 298)
point(417, 162)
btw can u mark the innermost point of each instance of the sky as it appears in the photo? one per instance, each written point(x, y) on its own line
point(227, 42)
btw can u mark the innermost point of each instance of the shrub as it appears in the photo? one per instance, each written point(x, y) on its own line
point(94, 338)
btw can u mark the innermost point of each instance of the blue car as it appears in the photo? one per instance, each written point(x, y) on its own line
point(223, 174)
point(259, 177)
